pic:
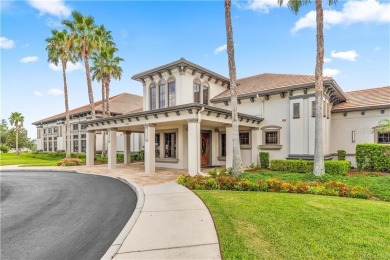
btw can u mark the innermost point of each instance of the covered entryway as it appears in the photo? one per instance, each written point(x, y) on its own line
point(205, 149)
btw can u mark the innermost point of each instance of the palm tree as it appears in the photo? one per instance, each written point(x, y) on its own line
point(16, 119)
point(84, 37)
point(295, 5)
point(59, 49)
point(237, 163)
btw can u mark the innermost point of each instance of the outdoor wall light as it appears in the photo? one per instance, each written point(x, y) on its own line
point(353, 136)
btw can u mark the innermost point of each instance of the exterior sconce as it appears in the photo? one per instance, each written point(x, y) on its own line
point(353, 136)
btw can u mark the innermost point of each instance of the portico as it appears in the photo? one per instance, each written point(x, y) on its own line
point(181, 137)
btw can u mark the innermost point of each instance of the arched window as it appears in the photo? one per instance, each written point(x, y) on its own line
point(206, 93)
point(153, 96)
point(197, 91)
point(171, 92)
point(161, 92)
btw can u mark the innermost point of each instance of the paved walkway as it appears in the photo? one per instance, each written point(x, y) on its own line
point(173, 222)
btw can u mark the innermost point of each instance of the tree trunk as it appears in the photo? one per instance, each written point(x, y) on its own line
point(319, 167)
point(67, 117)
point(237, 163)
point(104, 115)
point(17, 138)
point(108, 96)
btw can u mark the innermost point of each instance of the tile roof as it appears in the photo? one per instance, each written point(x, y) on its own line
point(269, 82)
point(119, 104)
point(365, 99)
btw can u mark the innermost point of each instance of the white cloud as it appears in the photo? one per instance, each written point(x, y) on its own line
point(55, 92)
point(29, 59)
point(38, 93)
point(263, 6)
point(345, 55)
point(327, 60)
point(377, 48)
point(331, 72)
point(69, 67)
point(220, 49)
point(53, 23)
point(6, 43)
point(353, 11)
point(52, 7)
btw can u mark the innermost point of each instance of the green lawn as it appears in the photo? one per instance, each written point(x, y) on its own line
point(27, 159)
point(379, 185)
point(260, 225)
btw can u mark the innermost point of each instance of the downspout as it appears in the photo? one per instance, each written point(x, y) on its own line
point(199, 121)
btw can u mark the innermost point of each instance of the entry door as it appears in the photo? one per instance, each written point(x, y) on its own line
point(205, 149)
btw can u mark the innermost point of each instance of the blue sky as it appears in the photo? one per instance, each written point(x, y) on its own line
point(268, 38)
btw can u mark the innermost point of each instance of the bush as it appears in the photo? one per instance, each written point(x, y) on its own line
point(4, 148)
point(213, 172)
point(224, 182)
point(141, 155)
point(264, 159)
point(373, 157)
point(69, 162)
point(120, 157)
point(102, 159)
point(301, 166)
point(341, 154)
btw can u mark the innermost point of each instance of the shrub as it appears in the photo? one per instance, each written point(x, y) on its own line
point(264, 159)
point(341, 154)
point(69, 162)
point(373, 157)
point(4, 148)
point(213, 172)
point(102, 158)
point(331, 167)
point(141, 155)
point(120, 157)
point(225, 182)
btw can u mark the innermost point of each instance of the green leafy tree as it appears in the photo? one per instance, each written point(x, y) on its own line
point(295, 5)
point(384, 126)
point(84, 38)
point(60, 50)
point(16, 119)
point(237, 163)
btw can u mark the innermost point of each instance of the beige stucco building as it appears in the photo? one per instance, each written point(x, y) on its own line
point(185, 118)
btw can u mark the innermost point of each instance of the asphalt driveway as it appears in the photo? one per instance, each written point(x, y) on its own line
point(51, 215)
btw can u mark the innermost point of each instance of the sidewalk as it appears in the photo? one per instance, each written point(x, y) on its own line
point(173, 222)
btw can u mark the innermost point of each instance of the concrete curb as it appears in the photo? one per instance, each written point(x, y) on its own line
point(36, 170)
point(114, 248)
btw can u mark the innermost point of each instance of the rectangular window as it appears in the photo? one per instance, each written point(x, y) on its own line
point(55, 129)
point(45, 146)
point(196, 93)
point(384, 138)
point(170, 145)
point(75, 136)
point(162, 96)
point(205, 95)
point(50, 146)
point(76, 146)
point(313, 109)
point(75, 127)
point(271, 137)
point(50, 139)
point(50, 130)
point(83, 127)
point(44, 130)
point(153, 97)
point(83, 136)
point(83, 146)
point(55, 146)
point(296, 111)
point(223, 145)
point(171, 94)
point(244, 138)
point(60, 131)
point(157, 146)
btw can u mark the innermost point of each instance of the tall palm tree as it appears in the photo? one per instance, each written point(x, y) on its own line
point(16, 119)
point(59, 49)
point(237, 163)
point(295, 5)
point(84, 37)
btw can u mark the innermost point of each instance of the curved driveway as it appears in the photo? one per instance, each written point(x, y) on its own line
point(54, 215)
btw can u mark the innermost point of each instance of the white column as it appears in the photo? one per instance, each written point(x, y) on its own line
point(255, 135)
point(90, 153)
point(111, 149)
point(150, 153)
point(127, 148)
point(229, 147)
point(193, 146)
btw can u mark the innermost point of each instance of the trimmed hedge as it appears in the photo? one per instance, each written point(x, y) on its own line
point(264, 159)
point(301, 166)
point(341, 154)
point(373, 157)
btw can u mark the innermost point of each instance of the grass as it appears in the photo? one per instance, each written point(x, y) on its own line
point(378, 184)
point(259, 225)
point(27, 159)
